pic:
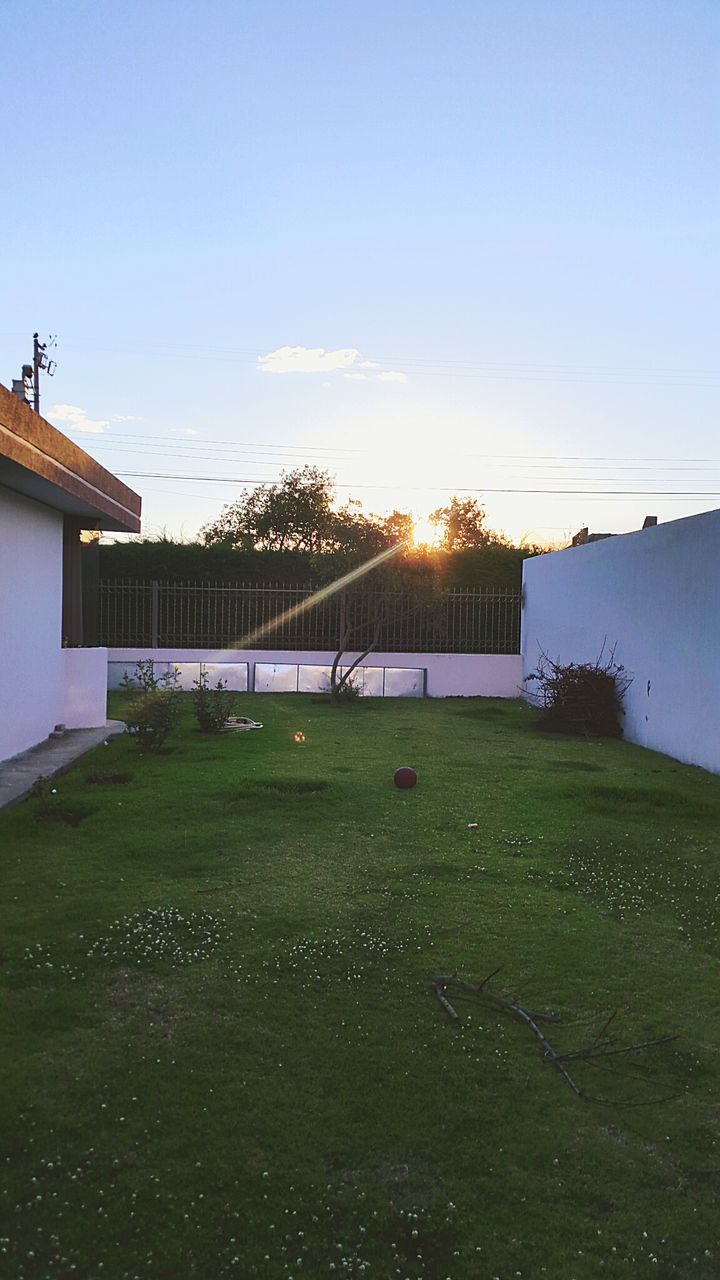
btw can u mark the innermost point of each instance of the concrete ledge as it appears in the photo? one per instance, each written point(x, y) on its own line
point(50, 758)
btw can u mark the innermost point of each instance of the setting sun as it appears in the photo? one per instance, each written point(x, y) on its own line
point(424, 533)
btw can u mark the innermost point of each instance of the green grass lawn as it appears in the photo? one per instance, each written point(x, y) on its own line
point(222, 1055)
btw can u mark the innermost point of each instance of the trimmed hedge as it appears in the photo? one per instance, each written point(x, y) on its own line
point(164, 560)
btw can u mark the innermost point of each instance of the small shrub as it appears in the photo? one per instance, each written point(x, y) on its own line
point(145, 678)
point(150, 718)
point(213, 706)
point(345, 692)
point(580, 698)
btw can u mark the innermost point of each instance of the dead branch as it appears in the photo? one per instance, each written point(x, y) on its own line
point(594, 1054)
point(445, 1003)
point(476, 989)
point(601, 1033)
point(491, 975)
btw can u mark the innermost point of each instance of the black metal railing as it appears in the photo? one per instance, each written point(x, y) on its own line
point(199, 615)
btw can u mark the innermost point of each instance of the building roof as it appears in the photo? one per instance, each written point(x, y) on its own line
point(40, 462)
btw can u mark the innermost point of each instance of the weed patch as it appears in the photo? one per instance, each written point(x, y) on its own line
point(160, 935)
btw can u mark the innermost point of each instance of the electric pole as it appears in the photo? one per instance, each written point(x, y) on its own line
point(41, 364)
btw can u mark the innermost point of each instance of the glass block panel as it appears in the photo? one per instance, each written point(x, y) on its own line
point(404, 682)
point(234, 674)
point(313, 679)
point(275, 677)
point(373, 680)
point(188, 672)
point(118, 670)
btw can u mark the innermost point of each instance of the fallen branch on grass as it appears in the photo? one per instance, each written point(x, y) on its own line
point(600, 1048)
point(602, 1052)
point(454, 1017)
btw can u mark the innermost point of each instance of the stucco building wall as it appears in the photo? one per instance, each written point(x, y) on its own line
point(655, 597)
point(32, 671)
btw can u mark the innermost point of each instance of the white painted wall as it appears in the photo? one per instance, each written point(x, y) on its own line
point(449, 675)
point(32, 673)
point(655, 595)
point(85, 688)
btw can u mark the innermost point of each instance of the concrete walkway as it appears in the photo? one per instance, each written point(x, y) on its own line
point(48, 759)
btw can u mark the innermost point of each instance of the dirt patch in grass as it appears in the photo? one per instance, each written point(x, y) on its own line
point(473, 712)
point(574, 766)
point(272, 788)
point(64, 816)
point(105, 779)
point(439, 870)
point(149, 1000)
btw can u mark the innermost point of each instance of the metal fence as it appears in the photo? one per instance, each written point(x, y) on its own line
point(199, 615)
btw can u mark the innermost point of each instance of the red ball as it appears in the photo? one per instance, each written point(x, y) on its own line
point(405, 778)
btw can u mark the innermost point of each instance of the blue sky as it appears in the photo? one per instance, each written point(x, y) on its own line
point(505, 212)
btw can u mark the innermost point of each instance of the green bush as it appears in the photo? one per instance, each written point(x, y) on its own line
point(150, 718)
point(213, 706)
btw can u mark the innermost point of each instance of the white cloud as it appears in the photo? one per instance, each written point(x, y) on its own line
point(318, 360)
point(124, 417)
point(307, 360)
point(70, 415)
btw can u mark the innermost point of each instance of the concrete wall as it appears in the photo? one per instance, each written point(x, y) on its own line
point(41, 684)
point(655, 595)
point(85, 688)
point(32, 673)
point(448, 674)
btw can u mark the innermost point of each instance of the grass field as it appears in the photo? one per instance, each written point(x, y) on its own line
point(222, 1055)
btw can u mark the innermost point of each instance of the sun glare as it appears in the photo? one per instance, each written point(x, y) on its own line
point(424, 534)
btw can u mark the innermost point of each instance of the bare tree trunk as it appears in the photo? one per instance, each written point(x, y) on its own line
point(346, 629)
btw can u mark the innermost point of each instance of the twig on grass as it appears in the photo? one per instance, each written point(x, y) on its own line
point(594, 1053)
point(453, 1015)
point(494, 974)
point(601, 1033)
point(477, 989)
point(601, 1052)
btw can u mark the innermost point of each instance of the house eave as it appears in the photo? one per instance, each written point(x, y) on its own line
point(40, 462)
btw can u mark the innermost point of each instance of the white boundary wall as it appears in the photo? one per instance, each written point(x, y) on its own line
point(655, 596)
point(85, 688)
point(449, 675)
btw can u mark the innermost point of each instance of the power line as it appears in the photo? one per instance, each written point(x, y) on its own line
point(441, 366)
point(306, 451)
point(218, 455)
point(639, 493)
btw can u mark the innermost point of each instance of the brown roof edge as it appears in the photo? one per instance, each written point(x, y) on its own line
point(31, 443)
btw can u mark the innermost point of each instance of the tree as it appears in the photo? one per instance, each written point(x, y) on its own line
point(368, 611)
point(463, 525)
point(294, 515)
point(297, 514)
point(398, 527)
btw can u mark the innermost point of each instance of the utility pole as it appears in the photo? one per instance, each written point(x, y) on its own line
point(41, 364)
